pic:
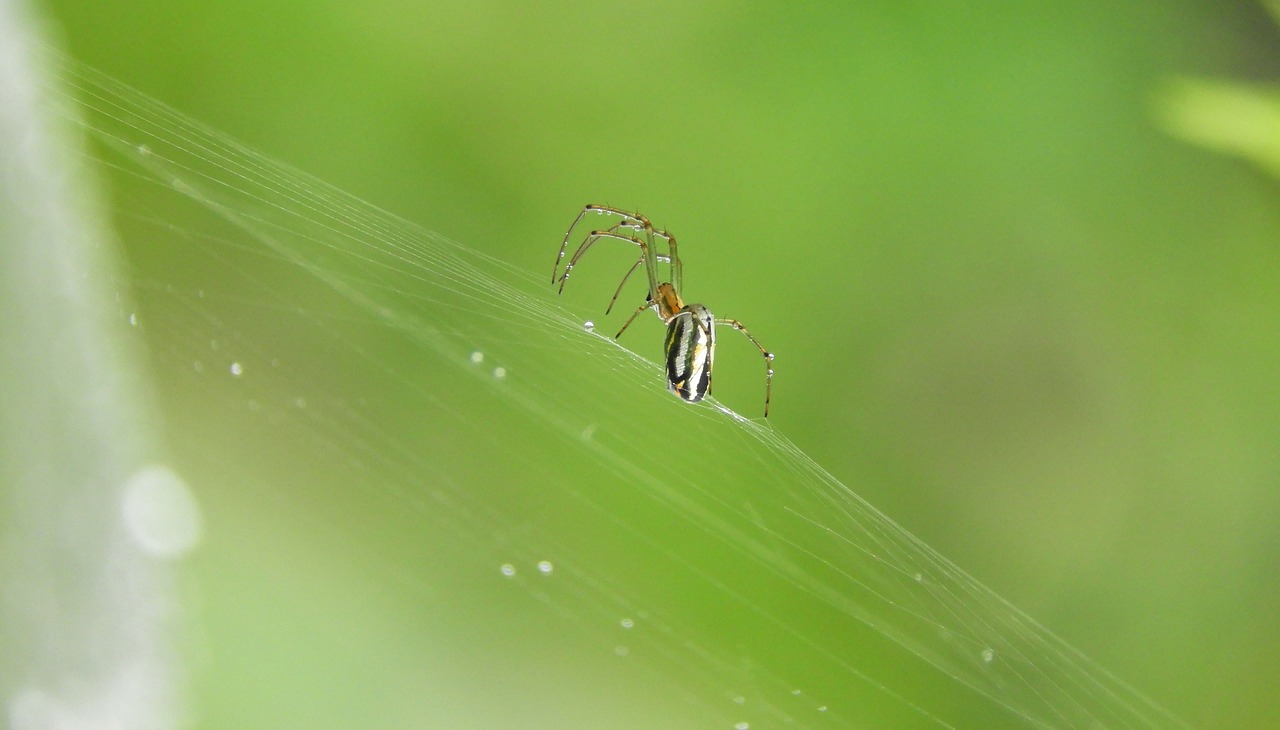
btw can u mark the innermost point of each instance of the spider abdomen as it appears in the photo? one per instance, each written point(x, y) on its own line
point(690, 347)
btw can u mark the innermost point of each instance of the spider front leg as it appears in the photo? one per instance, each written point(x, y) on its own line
point(647, 305)
point(632, 270)
point(587, 243)
point(602, 209)
point(768, 359)
point(632, 222)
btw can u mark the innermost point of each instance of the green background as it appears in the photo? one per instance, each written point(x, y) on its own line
point(1008, 310)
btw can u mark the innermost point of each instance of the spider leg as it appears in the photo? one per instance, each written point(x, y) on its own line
point(633, 221)
point(645, 250)
point(768, 359)
point(632, 270)
point(623, 283)
point(602, 209)
point(673, 259)
point(585, 246)
point(632, 318)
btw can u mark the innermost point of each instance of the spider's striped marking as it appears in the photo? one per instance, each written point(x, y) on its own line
point(691, 330)
point(690, 348)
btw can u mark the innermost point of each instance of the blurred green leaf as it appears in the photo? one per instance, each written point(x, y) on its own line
point(1229, 117)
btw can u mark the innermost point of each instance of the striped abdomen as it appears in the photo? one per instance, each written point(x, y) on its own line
point(690, 347)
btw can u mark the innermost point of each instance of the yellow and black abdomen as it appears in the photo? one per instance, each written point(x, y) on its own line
point(690, 347)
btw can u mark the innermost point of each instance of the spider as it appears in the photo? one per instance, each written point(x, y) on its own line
point(691, 328)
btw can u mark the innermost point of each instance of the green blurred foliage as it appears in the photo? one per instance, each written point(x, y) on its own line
point(1008, 309)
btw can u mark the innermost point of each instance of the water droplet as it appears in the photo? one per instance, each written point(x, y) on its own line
point(742, 726)
point(477, 357)
point(143, 150)
point(236, 369)
point(545, 566)
point(508, 569)
point(795, 692)
point(300, 402)
point(627, 623)
point(589, 326)
point(133, 319)
point(160, 512)
point(199, 366)
point(988, 655)
point(739, 700)
point(621, 650)
point(499, 373)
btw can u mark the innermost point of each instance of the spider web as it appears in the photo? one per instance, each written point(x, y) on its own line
point(426, 481)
